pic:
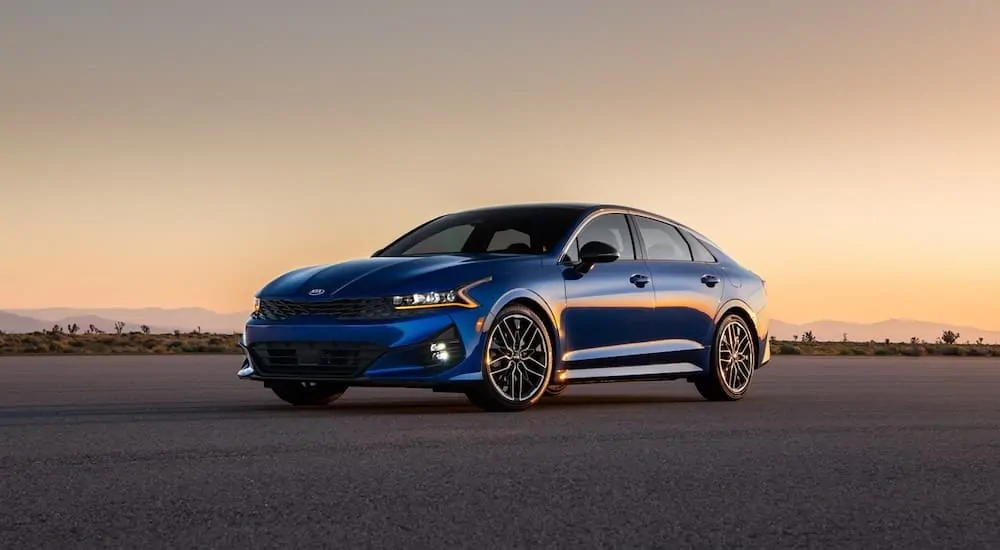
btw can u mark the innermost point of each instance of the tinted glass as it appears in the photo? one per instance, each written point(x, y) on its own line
point(700, 251)
point(510, 239)
point(450, 239)
point(610, 229)
point(662, 241)
point(527, 230)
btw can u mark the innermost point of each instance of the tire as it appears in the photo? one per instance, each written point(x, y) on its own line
point(732, 364)
point(554, 390)
point(308, 394)
point(518, 382)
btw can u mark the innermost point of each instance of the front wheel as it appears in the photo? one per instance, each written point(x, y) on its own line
point(308, 394)
point(734, 361)
point(517, 362)
point(554, 389)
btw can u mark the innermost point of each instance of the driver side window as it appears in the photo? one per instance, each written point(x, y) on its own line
point(610, 229)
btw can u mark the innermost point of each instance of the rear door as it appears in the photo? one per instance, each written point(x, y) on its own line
point(688, 293)
point(611, 307)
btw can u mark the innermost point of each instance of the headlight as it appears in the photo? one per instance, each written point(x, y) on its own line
point(256, 305)
point(457, 297)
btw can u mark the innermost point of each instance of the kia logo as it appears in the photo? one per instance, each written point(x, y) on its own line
point(317, 292)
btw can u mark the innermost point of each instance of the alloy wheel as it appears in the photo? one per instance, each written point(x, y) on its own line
point(736, 357)
point(517, 358)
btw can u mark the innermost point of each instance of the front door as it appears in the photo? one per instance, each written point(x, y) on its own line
point(609, 309)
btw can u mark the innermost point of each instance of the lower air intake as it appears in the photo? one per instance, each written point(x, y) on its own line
point(319, 359)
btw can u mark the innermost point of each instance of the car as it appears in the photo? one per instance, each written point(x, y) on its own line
point(512, 304)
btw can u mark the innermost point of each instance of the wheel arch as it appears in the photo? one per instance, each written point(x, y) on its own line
point(744, 311)
point(538, 305)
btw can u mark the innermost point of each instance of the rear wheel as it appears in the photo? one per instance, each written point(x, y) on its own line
point(517, 362)
point(308, 393)
point(734, 361)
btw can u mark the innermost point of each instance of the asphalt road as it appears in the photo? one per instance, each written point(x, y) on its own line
point(161, 452)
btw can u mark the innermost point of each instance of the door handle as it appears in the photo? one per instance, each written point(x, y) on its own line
point(639, 280)
point(709, 280)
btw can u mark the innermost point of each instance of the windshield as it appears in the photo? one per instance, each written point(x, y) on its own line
point(521, 230)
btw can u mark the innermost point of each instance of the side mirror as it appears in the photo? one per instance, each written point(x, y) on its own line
point(597, 252)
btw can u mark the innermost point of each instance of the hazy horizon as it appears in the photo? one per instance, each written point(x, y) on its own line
point(182, 154)
point(188, 319)
point(95, 310)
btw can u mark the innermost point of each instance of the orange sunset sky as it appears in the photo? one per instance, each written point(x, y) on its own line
point(183, 153)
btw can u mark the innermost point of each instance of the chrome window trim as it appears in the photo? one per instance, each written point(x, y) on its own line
point(589, 218)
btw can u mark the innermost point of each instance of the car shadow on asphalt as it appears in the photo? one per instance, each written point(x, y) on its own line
point(459, 405)
point(111, 413)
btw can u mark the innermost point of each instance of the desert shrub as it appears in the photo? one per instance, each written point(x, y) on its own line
point(914, 351)
point(789, 349)
point(98, 347)
point(31, 341)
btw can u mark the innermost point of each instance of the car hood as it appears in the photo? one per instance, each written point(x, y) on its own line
point(385, 276)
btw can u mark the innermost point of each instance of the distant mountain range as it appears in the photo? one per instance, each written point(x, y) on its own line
point(162, 320)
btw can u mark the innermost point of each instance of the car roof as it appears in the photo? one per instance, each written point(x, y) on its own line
point(581, 206)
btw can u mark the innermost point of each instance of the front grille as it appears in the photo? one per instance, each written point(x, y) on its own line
point(324, 359)
point(343, 308)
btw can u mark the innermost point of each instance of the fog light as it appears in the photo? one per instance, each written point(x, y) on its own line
point(441, 351)
point(438, 347)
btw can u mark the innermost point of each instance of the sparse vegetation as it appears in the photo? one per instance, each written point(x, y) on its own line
point(69, 340)
point(914, 348)
point(58, 342)
point(950, 337)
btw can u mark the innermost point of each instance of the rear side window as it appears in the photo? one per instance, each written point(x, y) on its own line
point(662, 241)
point(700, 251)
point(610, 229)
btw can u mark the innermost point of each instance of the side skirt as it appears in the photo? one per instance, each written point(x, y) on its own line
point(668, 371)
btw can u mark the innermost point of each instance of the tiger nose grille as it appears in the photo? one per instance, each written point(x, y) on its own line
point(323, 359)
point(345, 308)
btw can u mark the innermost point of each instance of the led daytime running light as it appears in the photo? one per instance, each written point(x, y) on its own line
point(449, 298)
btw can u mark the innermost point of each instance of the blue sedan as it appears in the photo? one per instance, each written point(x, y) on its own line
point(511, 304)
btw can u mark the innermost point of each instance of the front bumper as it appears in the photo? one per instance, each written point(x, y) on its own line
point(397, 353)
